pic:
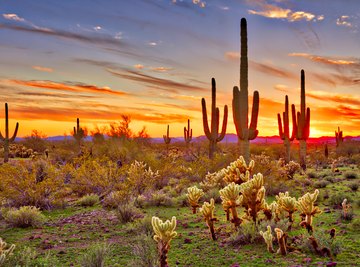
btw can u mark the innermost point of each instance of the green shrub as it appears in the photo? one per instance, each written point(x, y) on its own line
point(144, 252)
point(350, 175)
point(116, 198)
point(28, 257)
point(321, 184)
point(96, 256)
point(336, 199)
point(312, 175)
point(88, 200)
point(24, 217)
point(354, 186)
point(127, 213)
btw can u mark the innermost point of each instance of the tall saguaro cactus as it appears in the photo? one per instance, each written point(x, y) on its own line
point(240, 103)
point(213, 133)
point(284, 132)
point(301, 119)
point(339, 137)
point(79, 132)
point(188, 134)
point(166, 137)
point(6, 140)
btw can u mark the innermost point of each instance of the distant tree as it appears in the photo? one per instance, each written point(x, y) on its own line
point(36, 141)
point(143, 136)
point(121, 129)
point(98, 134)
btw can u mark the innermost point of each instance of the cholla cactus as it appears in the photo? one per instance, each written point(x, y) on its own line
point(268, 237)
point(238, 171)
point(4, 252)
point(288, 204)
point(164, 233)
point(194, 194)
point(271, 211)
point(345, 208)
point(230, 200)
point(306, 205)
point(207, 210)
point(213, 180)
point(253, 196)
point(140, 176)
point(281, 237)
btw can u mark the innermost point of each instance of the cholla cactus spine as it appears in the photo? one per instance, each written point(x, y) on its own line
point(164, 233)
point(207, 210)
point(230, 200)
point(268, 237)
point(193, 195)
point(306, 205)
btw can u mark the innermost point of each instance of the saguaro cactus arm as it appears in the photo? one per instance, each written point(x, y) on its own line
point(188, 133)
point(11, 139)
point(166, 137)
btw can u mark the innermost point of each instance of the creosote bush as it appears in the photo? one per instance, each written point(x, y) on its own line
point(127, 213)
point(24, 217)
point(96, 255)
point(88, 200)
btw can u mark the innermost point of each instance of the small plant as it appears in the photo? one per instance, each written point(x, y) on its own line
point(114, 199)
point(144, 252)
point(346, 213)
point(164, 233)
point(308, 210)
point(268, 237)
point(193, 195)
point(350, 175)
point(96, 256)
point(354, 186)
point(321, 184)
point(127, 213)
point(88, 200)
point(281, 237)
point(208, 212)
point(230, 200)
point(5, 251)
point(24, 217)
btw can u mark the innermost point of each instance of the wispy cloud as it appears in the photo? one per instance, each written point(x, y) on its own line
point(68, 86)
point(344, 21)
point(273, 11)
point(281, 88)
point(16, 18)
point(232, 56)
point(44, 69)
point(272, 70)
point(154, 82)
point(328, 60)
point(336, 98)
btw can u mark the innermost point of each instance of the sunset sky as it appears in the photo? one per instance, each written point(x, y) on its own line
point(154, 60)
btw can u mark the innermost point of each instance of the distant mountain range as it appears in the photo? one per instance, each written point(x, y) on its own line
point(229, 138)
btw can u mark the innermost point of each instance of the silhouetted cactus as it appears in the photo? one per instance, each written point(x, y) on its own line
point(240, 103)
point(166, 137)
point(79, 132)
point(326, 152)
point(339, 137)
point(188, 134)
point(213, 133)
point(301, 119)
point(6, 140)
point(284, 132)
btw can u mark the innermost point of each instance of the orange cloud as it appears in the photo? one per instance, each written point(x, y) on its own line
point(73, 87)
point(232, 56)
point(44, 69)
point(327, 60)
point(337, 98)
point(271, 70)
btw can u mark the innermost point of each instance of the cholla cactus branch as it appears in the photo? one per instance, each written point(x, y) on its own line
point(193, 195)
point(230, 200)
point(268, 237)
point(306, 205)
point(164, 233)
point(281, 237)
point(288, 204)
point(238, 171)
point(207, 210)
point(4, 251)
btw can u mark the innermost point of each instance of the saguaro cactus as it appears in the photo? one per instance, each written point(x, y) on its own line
point(240, 103)
point(79, 132)
point(302, 123)
point(213, 133)
point(188, 134)
point(284, 132)
point(6, 140)
point(339, 137)
point(166, 137)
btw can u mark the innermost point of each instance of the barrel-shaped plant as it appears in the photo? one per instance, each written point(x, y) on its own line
point(240, 105)
point(284, 130)
point(6, 139)
point(212, 133)
point(302, 123)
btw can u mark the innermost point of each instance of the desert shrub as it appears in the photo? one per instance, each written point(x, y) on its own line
point(96, 176)
point(141, 226)
point(88, 200)
point(127, 213)
point(350, 175)
point(28, 257)
point(212, 193)
point(289, 169)
point(160, 199)
point(321, 184)
point(246, 234)
point(20, 186)
point(116, 198)
point(96, 255)
point(181, 200)
point(24, 217)
point(323, 238)
point(140, 177)
point(330, 179)
point(355, 225)
point(312, 175)
point(144, 252)
point(336, 199)
point(353, 186)
point(36, 141)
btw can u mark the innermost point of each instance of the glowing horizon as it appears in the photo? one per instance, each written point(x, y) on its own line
point(154, 60)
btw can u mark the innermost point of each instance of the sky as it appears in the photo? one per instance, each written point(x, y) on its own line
point(154, 60)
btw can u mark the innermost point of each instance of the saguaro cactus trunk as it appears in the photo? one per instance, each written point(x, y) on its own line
point(240, 103)
point(188, 134)
point(213, 133)
point(284, 132)
point(302, 123)
point(6, 140)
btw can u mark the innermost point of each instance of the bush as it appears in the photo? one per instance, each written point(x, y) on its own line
point(127, 213)
point(336, 199)
point(88, 200)
point(246, 234)
point(24, 217)
point(96, 256)
point(354, 186)
point(312, 175)
point(144, 252)
point(116, 198)
point(350, 175)
point(28, 257)
point(321, 184)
